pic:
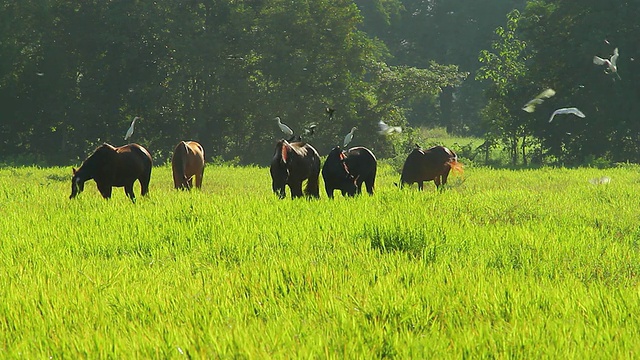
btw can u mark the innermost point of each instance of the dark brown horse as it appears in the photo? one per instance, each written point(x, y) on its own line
point(430, 164)
point(292, 164)
point(114, 166)
point(187, 162)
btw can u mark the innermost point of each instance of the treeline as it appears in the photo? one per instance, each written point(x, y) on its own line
point(74, 74)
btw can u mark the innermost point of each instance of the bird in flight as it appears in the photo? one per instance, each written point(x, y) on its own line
point(531, 105)
point(571, 110)
point(611, 67)
point(349, 137)
point(386, 129)
point(330, 111)
point(285, 129)
point(130, 130)
point(310, 130)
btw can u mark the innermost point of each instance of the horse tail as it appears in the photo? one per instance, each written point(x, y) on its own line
point(312, 188)
point(145, 177)
point(178, 163)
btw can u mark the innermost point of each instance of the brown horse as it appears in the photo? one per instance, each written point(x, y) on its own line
point(430, 164)
point(292, 164)
point(114, 166)
point(187, 162)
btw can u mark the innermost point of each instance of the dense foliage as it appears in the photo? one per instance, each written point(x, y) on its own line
point(73, 75)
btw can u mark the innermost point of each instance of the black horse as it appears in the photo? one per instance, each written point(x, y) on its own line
point(114, 166)
point(348, 170)
point(293, 163)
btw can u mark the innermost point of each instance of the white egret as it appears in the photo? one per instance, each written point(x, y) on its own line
point(130, 130)
point(330, 111)
point(570, 110)
point(531, 105)
point(386, 129)
point(349, 137)
point(310, 130)
point(610, 64)
point(602, 180)
point(285, 129)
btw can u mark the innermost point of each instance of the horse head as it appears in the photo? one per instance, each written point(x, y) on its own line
point(77, 183)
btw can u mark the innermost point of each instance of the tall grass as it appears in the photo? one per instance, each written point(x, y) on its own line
point(527, 264)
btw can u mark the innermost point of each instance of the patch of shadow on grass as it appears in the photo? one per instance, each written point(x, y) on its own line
point(56, 177)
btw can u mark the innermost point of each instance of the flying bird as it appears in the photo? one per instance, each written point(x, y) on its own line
point(531, 105)
point(349, 137)
point(285, 129)
point(609, 63)
point(330, 111)
point(570, 110)
point(310, 130)
point(130, 130)
point(386, 129)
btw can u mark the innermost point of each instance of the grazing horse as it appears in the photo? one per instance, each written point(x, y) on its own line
point(187, 162)
point(112, 166)
point(431, 164)
point(348, 170)
point(293, 163)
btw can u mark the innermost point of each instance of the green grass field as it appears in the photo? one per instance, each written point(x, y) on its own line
point(503, 264)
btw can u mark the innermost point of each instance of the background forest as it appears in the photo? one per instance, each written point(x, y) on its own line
point(74, 74)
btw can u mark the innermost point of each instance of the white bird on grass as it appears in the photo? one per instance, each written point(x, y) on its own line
point(285, 129)
point(611, 66)
point(531, 105)
point(571, 110)
point(130, 130)
point(349, 137)
point(386, 129)
point(599, 181)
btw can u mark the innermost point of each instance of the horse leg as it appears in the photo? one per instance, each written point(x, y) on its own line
point(436, 180)
point(296, 189)
point(329, 191)
point(199, 178)
point(420, 185)
point(105, 190)
point(444, 177)
point(144, 183)
point(313, 188)
point(370, 185)
point(128, 189)
point(190, 183)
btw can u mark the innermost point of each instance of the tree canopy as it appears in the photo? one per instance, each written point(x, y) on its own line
point(74, 74)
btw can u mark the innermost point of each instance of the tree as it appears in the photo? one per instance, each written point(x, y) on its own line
point(506, 69)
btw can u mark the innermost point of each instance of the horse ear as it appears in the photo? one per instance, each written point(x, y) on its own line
point(74, 171)
point(284, 152)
